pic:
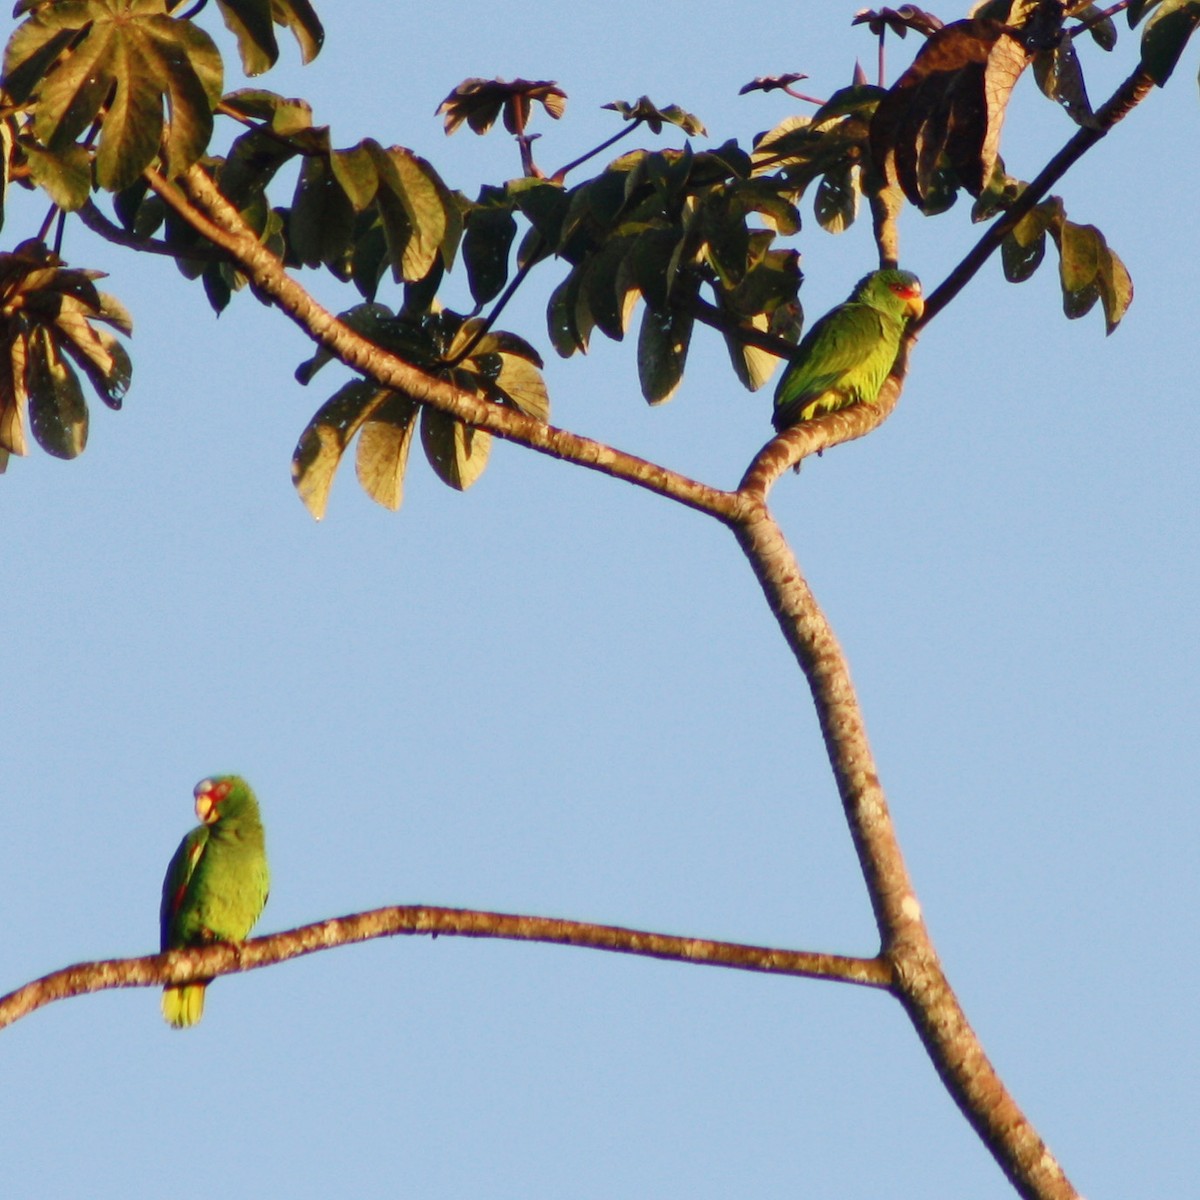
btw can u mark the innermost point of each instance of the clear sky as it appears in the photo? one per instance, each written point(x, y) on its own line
point(557, 695)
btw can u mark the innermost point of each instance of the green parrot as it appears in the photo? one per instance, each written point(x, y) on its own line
point(216, 884)
point(845, 357)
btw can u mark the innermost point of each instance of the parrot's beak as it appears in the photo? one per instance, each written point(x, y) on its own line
point(209, 794)
point(206, 808)
point(916, 305)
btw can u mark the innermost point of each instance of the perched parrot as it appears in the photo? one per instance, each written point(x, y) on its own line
point(845, 357)
point(216, 884)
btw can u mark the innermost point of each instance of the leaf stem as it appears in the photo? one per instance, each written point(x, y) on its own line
point(563, 171)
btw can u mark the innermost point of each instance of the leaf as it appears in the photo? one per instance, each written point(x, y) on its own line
point(1060, 77)
point(1090, 271)
point(383, 446)
point(1138, 9)
point(129, 57)
point(836, 201)
point(321, 446)
point(65, 177)
point(1116, 289)
point(1165, 36)
point(1022, 251)
point(643, 110)
point(412, 208)
point(479, 102)
point(898, 20)
point(354, 169)
point(566, 334)
point(58, 415)
point(1102, 32)
point(486, 246)
point(300, 17)
point(458, 453)
point(662, 352)
point(14, 396)
point(321, 220)
point(250, 22)
point(952, 100)
point(521, 382)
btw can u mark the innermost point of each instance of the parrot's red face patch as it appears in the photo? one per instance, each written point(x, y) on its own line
point(910, 293)
point(209, 794)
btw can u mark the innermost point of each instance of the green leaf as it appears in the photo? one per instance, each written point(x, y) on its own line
point(1060, 77)
point(355, 170)
point(562, 317)
point(321, 221)
point(188, 68)
point(30, 52)
point(662, 352)
point(1080, 249)
point(521, 382)
point(1165, 36)
point(836, 202)
point(643, 109)
point(458, 453)
point(58, 416)
point(132, 126)
point(302, 20)
point(1138, 9)
point(71, 95)
point(250, 22)
point(412, 208)
point(487, 244)
point(321, 446)
point(383, 446)
point(1116, 289)
point(66, 177)
point(1103, 33)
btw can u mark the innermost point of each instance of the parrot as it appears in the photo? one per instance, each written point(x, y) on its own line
point(845, 357)
point(216, 884)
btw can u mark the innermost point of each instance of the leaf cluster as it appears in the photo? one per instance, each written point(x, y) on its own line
point(117, 95)
point(51, 322)
point(500, 367)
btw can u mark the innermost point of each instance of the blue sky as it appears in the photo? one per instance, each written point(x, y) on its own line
point(554, 694)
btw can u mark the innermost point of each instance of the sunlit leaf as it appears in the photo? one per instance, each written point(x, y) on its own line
point(383, 445)
point(321, 446)
point(458, 453)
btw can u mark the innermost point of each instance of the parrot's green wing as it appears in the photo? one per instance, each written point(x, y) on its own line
point(843, 360)
point(180, 872)
point(182, 1004)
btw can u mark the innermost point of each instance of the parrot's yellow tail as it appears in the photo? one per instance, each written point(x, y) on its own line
point(183, 1005)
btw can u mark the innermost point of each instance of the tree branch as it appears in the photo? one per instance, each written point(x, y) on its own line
point(227, 958)
point(210, 214)
point(919, 981)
